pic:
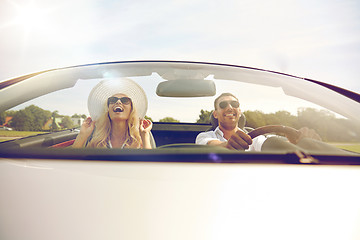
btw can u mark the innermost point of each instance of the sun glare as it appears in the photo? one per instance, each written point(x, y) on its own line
point(29, 16)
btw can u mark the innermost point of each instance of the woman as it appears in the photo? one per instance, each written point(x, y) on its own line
point(115, 123)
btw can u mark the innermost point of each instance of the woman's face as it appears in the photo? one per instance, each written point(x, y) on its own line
point(119, 107)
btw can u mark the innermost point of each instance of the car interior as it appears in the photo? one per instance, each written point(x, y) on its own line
point(180, 82)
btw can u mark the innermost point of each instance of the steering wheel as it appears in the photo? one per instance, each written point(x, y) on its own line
point(291, 133)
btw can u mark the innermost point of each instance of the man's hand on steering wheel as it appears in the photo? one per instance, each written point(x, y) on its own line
point(239, 141)
point(306, 132)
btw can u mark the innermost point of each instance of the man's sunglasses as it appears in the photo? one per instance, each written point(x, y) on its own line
point(123, 100)
point(224, 104)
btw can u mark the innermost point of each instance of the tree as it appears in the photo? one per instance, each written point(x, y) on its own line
point(255, 119)
point(31, 118)
point(54, 126)
point(168, 119)
point(40, 117)
point(149, 118)
point(2, 117)
point(22, 120)
point(83, 116)
point(66, 122)
point(281, 118)
point(204, 116)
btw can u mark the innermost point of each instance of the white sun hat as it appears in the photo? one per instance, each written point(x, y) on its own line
point(97, 100)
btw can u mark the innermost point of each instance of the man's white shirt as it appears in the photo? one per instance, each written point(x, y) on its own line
point(204, 137)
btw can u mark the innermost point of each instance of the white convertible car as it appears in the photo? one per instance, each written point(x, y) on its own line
point(180, 189)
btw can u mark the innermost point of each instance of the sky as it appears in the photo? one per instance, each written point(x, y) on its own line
point(317, 39)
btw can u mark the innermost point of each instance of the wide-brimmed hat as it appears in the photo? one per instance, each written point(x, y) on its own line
point(97, 100)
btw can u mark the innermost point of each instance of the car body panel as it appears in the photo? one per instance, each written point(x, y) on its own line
point(137, 200)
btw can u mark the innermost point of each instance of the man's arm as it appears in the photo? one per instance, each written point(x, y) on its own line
point(217, 143)
point(238, 141)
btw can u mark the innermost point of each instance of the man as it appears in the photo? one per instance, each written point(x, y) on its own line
point(228, 134)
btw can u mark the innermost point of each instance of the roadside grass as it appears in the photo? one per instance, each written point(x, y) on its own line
point(354, 147)
point(9, 135)
point(18, 133)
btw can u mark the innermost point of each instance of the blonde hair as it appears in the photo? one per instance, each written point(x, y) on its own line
point(102, 132)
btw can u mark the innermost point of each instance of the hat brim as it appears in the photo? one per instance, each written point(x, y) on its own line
point(97, 100)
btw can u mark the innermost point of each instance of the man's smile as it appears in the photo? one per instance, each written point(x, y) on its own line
point(230, 114)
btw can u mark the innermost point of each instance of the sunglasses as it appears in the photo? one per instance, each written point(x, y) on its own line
point(224, 104)
point(123, 100)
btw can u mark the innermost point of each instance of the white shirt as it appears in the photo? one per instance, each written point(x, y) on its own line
point(110, 145)
point(204, 137)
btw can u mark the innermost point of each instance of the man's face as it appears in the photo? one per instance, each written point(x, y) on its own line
point(227, 112)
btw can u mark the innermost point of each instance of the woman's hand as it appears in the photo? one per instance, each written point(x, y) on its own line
point(87, 127)
point(145, 128)
point(85, 131)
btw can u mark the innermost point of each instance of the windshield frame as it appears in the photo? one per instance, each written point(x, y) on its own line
point(178, 70)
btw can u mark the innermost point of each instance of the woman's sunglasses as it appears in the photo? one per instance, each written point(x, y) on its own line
point(224, 104)
point(123, 100)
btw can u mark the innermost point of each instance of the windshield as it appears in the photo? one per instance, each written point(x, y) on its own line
point(265, 98)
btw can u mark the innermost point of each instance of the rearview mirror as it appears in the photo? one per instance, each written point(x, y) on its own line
point(186, 88)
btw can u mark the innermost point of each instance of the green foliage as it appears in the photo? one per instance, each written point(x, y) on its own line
point(55, 114)
point(5, 114)
point(149, 118)
point(255, 119)
point(66, 122)
point(22, 121)
point(54, 126)
point(168, 119)
point(83, 116)
point(2, 117)
point(32, 118)
point(204, 116)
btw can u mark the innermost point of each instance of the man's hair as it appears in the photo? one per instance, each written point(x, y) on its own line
point(224, 95)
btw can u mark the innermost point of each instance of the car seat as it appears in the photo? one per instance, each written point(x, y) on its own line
point(242, 122)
